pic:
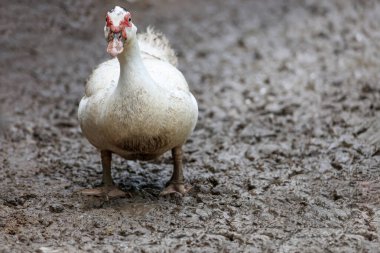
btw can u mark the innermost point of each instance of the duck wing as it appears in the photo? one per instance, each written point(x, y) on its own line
point(103, 76)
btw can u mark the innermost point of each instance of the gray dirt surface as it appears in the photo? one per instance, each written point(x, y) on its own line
point(285, 156)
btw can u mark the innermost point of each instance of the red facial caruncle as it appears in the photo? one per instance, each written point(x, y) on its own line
point(126, 22)
point(118, 26)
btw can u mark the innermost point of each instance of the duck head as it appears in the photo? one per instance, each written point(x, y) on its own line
point(119, 30)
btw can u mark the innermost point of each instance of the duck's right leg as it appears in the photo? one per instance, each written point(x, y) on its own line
point(109, 189)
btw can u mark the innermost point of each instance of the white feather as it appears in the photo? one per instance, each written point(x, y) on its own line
point(146, 110)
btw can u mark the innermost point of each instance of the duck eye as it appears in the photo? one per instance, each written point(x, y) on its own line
point(129, 19)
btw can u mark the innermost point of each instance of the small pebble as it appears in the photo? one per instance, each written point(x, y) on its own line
point(56, 208)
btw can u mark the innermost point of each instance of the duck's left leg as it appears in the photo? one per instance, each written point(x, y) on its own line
point(176, 183)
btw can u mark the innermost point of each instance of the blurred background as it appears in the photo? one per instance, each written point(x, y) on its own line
point(285, 156)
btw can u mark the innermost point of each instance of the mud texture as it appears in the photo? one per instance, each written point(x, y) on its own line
point(285, 156)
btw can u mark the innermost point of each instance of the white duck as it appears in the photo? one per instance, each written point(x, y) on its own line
point(139, 105)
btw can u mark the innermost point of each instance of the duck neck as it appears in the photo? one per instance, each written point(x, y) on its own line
point(133, 73)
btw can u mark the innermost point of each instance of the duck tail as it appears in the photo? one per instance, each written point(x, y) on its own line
point(155, 44)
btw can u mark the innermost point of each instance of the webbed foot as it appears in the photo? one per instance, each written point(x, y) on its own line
point(180, 188)
point(109, 192)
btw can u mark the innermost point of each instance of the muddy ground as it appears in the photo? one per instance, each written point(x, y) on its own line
point(285, 156)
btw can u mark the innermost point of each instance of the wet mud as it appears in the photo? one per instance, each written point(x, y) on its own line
point(285, 156)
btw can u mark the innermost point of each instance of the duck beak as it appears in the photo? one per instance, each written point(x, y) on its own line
point(115, 44)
